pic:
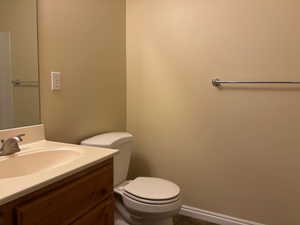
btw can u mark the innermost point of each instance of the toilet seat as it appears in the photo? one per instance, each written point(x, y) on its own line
point(142, 207)
point(150, 195)
point(152, 189)
point(149, 201)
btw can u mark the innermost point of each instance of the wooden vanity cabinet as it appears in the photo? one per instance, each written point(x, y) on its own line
point(101, 214)
point(85, 198)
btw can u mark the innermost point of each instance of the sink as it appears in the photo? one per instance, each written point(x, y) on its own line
point(26, 164)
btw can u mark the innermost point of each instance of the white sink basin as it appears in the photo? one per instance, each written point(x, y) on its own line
point(25, 164)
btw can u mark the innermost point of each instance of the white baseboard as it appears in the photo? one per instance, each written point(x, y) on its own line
point(213, 217)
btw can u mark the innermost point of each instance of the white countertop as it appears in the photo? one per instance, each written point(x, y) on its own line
point(16, 187)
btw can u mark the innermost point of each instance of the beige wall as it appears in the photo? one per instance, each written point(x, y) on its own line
point(85, 40)
point(233, 151)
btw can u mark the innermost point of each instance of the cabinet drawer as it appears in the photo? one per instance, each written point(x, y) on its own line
point(68, 202)
point(101, 215)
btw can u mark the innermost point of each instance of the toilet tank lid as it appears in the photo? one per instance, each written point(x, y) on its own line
point(108, 140)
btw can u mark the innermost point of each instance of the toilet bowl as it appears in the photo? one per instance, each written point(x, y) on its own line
point(148, 200)
point(143, 200)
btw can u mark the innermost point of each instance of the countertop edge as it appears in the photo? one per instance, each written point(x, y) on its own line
point(55, 179)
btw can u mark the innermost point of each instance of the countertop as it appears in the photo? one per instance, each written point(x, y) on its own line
point(16, 187)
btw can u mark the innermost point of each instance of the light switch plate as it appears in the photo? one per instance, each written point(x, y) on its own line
point(55, 81)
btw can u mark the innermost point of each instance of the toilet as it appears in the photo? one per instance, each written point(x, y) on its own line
point(143, 200)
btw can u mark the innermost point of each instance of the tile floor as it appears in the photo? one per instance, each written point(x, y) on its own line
point(182, 220)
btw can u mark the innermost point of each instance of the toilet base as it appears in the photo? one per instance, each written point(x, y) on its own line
point(161, 222)
point(119, 220)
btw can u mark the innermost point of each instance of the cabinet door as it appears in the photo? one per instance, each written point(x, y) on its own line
point(68, 202)
point(103, 214)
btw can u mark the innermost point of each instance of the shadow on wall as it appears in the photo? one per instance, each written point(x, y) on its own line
point(139, 166)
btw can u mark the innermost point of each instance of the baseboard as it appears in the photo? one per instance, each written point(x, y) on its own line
point(213, 217)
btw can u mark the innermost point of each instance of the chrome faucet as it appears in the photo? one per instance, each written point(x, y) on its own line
point(11, 145)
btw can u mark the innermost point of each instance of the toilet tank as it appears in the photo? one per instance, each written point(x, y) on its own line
point(122, 141)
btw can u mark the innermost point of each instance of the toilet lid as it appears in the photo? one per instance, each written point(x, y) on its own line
point(152, 188)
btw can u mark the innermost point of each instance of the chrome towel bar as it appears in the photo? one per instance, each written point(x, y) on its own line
point(19, 83)
point(218, 83)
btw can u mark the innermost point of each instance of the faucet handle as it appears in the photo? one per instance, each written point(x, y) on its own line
point(19, 137)
point(11, 146)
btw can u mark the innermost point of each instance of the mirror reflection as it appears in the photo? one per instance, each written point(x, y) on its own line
point(19, 80)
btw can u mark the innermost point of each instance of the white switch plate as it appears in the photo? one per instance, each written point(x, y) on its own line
point(55, 81)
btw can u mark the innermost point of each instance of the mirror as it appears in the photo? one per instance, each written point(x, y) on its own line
point(19, 79)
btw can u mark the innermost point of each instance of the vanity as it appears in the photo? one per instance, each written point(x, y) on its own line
point(50, 183)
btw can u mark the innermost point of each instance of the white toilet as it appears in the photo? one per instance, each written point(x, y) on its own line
point(144, 200)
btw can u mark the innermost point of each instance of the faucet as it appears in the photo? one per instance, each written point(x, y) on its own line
point(11, 145)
